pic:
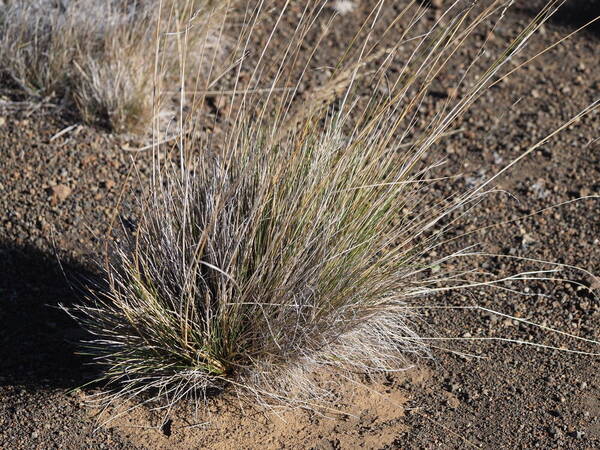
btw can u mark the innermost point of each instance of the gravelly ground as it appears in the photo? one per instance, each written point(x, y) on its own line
point(57, 197)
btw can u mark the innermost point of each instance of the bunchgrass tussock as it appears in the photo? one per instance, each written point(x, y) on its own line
point(99, 57)
point(292, 244)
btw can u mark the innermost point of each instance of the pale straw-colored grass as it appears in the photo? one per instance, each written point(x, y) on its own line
point(98, 57)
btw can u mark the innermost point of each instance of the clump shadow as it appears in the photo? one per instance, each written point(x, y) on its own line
point(576, 13)
point(38, 340)
point(572, 15)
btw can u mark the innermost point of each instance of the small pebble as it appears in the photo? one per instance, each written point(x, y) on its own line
point(576, 434)
point(60, 192)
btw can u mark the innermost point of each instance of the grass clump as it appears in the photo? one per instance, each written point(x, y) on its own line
point(294, 243)
point(100, 56)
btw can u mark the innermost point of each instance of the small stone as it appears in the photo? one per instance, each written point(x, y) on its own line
point(492, 318)
point(344, 6)
point(526, 240)
point(59, 193)
point(576, 434)
point(107, 184)
point(452, 92)
point(594, 283)
point(324, 444)
point(507, 322)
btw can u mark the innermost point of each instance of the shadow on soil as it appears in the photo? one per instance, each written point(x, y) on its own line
point(37, 339)
point(574, 14)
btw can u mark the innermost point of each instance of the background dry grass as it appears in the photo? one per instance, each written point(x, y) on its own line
point(102, 57)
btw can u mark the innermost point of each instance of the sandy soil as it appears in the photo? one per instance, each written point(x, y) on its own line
point(57, 196)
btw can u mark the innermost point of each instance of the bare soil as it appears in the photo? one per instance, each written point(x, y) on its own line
point(57, 198)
